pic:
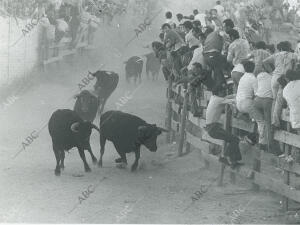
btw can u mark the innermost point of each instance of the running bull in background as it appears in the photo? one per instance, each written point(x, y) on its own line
point(134, 69)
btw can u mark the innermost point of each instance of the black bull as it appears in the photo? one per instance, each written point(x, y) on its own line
point(127, 132)
point(86, 105)
point(152, 65)
point(106, 84)
point(134, 68)
point(67, 131)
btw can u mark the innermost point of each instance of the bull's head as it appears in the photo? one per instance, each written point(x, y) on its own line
point(86, 100)
point(99, 76)
point(83, 130)
point(147, 135)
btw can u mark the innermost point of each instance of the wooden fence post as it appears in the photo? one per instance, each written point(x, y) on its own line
point(183, 122)
point(169, 112)
point(287, 152)
point(256, 167)
point(227, 126)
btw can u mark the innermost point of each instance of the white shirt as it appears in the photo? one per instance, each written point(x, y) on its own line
point(171, 22)
point(247, 87)
point(220, 10)
point(191, 40)
point(197, 57)
point(62, 25)
point(291, 93)
point(201, 17)
point(264, 87)
point(297, 50)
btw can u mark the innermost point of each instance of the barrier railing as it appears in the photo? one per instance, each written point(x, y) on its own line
point(190, 132)
point(55, 52)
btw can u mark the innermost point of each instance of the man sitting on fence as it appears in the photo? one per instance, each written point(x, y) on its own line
point(215, 108)
point(245, 99)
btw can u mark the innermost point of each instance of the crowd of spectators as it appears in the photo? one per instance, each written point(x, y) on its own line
point(64, 19)
point(18, 8)
point(209, 50)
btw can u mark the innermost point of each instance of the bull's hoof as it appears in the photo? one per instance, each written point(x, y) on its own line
point(87, 169)
point(134, 167)
point(121, 165)
point(94, 161)
point(57, 172)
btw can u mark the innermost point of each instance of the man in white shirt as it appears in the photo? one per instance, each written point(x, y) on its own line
point(263, 102)
point(220, 9)
point(197, 57)
point(245, 98)
point(190, 39)
point(291, 93)
point(200, 17)
point(61, 29)
point(169, 19)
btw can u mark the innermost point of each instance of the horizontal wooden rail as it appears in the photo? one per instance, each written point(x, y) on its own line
point(203, 142)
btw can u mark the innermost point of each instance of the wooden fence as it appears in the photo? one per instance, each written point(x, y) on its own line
point(55, 52)
point(263, 170)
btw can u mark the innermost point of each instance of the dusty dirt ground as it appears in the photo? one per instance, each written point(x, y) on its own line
point(158, 192)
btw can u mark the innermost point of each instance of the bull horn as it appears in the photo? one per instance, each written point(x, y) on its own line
point(95, 127)
point(74, 127)
point(162, 129)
